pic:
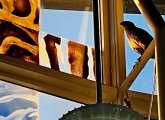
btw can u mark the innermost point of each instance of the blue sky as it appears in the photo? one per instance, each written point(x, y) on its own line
point(67, 24)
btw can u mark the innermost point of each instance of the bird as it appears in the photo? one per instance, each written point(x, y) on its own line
point(138, 39)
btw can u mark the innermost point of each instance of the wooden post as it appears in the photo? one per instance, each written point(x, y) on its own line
point(151, 14)
point(160, 69)
point(112, 42)
point(157, 24)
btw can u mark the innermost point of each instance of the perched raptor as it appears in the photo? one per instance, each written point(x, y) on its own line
point(138, 38)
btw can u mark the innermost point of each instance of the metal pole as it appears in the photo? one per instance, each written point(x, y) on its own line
point(98, 50)
point(160, 69)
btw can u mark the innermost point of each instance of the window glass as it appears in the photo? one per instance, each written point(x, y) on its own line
point(71, 32)
point(68, 25)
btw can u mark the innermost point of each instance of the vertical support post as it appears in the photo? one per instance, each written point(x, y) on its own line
point(157, 24)
point(105, 33)
point(98, 49)
point(112, 42)
point(160, 69)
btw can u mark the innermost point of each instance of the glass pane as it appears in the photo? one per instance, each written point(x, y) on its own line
point(67, 41)
point(65, 34)
point(68, 25)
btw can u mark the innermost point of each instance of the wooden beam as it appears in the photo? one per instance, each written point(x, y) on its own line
point(150, 12)
point(136, 70)
point(105, 30)
point(65, 85)
point(52, 82)
point(139, 66)
point(160, 58)
point(141, 102)
point(119, 42)
point(112, 42)
point(129, 6)
point(148, 9)
point(78, 5)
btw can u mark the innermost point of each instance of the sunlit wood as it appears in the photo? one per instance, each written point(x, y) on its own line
point(136, 70)
point(51, 81)
point(140, 102)
point(106, 42)
point(160, 58)
point(130, 7)
point(65, 85)
point(150, 12)
point(78, 5)
point(139, 66)
point(157, 24)
point(112, 42)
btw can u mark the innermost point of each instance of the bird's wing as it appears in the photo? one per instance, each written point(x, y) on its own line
point(143, 36)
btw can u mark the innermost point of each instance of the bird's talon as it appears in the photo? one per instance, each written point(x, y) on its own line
point(136, 62)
